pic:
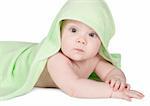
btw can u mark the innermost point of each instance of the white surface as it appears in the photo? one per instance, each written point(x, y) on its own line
point(30, 20)
point(54, 97)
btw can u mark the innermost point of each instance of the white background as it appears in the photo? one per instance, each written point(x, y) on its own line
point(30, 20)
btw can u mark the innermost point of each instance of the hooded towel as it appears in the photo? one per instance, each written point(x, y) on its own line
point(21, 63)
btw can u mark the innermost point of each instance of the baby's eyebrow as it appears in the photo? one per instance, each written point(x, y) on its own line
point(93, 32)
point(73, 24)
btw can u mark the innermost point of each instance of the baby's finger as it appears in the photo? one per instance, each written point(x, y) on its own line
point(117, 85)
point(122, 86)
point(107, 81)
point(128, 87)
point(126, 98)
point(138, 93)
point(112, 83)
point(134, 94)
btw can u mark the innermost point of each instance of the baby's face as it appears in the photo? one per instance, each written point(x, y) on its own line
point(79, 42)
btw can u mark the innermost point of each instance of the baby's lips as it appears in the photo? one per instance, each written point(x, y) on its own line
point(79, 49)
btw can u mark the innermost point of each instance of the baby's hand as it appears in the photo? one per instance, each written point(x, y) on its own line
point(117, 84)
point(127, 94)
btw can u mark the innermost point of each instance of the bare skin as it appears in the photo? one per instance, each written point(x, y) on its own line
point(77, 60)
point(82, 70)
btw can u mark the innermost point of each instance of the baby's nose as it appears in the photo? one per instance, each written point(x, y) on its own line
point(81, 41)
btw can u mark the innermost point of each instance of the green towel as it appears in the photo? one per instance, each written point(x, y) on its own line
point(21, 63)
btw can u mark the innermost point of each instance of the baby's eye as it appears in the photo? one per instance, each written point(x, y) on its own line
point(73, 30)
point(92, 35)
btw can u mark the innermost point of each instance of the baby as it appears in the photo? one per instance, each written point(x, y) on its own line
point(77, 59)
point(75, 47)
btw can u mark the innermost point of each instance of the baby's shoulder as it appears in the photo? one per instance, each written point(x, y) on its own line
point(59, 57)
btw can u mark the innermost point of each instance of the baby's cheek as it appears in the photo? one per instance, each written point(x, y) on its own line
point(69, 46)
point(92, 52)
point(96, 48)
point(65, 44)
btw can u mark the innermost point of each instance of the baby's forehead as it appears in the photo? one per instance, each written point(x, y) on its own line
point(72, 22)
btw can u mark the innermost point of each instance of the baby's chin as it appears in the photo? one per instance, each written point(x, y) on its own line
point(77, 57)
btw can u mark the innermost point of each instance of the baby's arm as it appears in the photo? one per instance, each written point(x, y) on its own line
point(65, 78)
point(111, 75)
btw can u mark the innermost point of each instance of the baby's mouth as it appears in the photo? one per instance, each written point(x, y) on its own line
point(79, 50)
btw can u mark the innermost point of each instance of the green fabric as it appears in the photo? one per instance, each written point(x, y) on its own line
point(21, 63)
